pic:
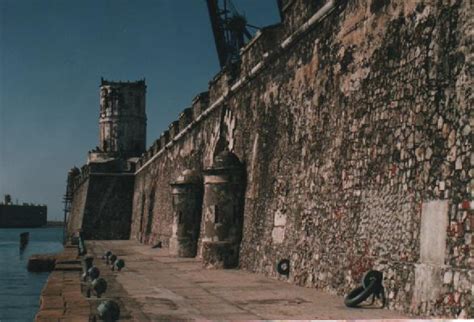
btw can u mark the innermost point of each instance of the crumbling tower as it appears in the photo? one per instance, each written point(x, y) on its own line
point(122, 120)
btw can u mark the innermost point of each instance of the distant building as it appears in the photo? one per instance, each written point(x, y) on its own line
point(19, 216)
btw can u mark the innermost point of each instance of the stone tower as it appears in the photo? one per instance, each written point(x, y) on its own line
point(122, 120)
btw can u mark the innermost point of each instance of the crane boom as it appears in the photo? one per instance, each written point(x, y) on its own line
point(229, 29)
point(218, 31)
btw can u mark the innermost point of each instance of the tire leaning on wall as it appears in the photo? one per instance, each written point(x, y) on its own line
point(359, 294)
point(371, 285)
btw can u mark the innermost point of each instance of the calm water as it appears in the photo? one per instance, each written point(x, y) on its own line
point(19, 289)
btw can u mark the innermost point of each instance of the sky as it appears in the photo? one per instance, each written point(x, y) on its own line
point(52, 56)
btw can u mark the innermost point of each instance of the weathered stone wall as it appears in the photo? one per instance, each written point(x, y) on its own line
point(107, 214)
point(78, 203)
point(101, 204)
point(356, 137)
point(152, 204)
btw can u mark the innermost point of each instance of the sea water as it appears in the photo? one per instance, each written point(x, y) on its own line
point(19, 289)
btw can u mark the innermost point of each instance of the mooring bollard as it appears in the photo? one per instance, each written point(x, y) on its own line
point(107, 255)
point(99, 285)
point(119, 263)
point(86, 265)
point(93, 272)
point(113, 258)
point(88, 261)
point(109, 311)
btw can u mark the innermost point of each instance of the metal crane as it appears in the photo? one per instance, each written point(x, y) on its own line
point(230, 29)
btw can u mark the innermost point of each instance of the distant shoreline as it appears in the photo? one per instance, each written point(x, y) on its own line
point(54, 224)
point(48, 225)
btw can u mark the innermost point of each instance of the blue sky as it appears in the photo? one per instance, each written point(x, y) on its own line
point(52, 56)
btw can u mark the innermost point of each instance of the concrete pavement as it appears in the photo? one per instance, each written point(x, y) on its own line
point(155, 286)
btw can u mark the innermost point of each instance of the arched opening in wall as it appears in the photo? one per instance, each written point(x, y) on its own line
point(151, 206)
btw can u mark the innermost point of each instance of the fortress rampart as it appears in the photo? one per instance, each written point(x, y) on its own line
point(352, 124)
point(101, 204)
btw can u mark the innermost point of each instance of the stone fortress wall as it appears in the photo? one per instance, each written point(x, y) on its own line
point(352, 123)
point(102, 199)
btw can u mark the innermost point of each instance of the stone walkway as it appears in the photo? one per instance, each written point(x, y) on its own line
point(62, 297)
point(154, 286)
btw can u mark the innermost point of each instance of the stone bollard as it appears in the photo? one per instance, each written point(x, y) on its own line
point(93, 273)
point(107, 255)
point(99, 285)
point(88, 262)
point(111, 260)
point(119, 264)
point(109, 311)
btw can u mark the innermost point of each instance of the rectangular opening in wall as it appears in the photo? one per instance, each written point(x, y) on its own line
point(217, 218)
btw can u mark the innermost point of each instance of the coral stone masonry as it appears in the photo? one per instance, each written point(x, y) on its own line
point(341, 141)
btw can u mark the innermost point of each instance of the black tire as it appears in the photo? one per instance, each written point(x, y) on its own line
point(283, 267)
point(359, 295)
point(370, 276)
